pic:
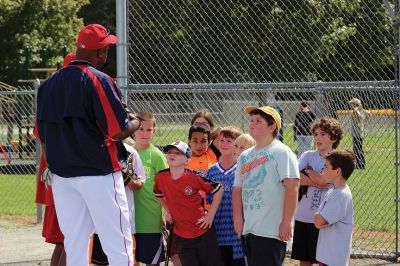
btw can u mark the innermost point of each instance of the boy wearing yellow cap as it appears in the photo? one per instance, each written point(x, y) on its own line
point(265, 190)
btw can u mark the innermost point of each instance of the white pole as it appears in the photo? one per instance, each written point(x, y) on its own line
point(122, 48)
point(39, 215)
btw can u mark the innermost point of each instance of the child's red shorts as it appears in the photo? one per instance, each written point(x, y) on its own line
point(51, 230)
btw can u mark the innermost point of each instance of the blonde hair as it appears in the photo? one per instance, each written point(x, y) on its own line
point(245, 140)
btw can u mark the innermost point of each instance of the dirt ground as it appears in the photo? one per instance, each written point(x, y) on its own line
point(21, 244)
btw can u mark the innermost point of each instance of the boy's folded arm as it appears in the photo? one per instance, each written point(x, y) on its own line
point(320, 222)
point(305, 180)
point(314, 179)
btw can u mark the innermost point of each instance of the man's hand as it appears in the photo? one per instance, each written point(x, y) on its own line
point(285, 231)
point(133, 125)
point(131, 116)
point(46, 177)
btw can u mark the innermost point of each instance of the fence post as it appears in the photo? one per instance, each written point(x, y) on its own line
point(39, 215)
point(319, 102)
point(396, 53)
point(397, 107)
point(122, 47)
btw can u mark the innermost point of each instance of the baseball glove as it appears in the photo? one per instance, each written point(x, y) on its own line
point(128, 172)
point(46, 177)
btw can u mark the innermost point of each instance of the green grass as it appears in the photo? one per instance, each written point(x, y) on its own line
point(373, 189)
point(17, 195)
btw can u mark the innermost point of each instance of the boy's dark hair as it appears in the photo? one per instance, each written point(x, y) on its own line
point(200, 128)
point(147, 116)
point(231, 132)
point(343, 159)
point(270, 120)
point(206, 115)
point(330, 126)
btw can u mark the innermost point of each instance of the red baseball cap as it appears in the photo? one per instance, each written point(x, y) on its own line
point(95, 36)
point(68, 59)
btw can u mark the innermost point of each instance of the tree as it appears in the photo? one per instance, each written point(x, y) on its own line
point(259, 41)
point(103, 12)
point(39, 24)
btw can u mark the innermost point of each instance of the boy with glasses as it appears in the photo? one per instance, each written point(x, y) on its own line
point(177, 189)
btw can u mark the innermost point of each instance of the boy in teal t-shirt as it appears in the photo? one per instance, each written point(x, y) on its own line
point(148, 212)
point(265, 190)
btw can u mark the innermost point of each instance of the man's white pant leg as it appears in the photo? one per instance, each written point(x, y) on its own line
point(107, 203)
point(74, 219)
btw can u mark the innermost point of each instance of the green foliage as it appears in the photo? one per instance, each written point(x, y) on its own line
point(39, 24)
point(259, 41)
point(103, 12)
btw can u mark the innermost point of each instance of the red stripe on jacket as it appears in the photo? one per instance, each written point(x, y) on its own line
point(112, 122)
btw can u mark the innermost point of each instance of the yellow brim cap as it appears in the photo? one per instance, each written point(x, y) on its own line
point(269, 111)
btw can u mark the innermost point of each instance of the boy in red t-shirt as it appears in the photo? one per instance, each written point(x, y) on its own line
point(178, 188)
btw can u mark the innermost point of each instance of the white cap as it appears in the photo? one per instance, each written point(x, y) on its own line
point(180, 145)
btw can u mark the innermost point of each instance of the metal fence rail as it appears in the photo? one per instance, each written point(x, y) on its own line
point(224, 55)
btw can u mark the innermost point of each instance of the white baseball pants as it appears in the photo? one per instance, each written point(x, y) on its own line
point(88, 203)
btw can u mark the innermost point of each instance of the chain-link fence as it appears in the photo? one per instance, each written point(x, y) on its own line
point(223, 55)
point(182, 41)
point(17, 151)
point(186, 55)
point(374, 188)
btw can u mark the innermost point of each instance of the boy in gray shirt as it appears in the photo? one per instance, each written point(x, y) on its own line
point(335, 216)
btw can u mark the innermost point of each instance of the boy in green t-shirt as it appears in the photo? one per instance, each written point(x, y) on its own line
point(148, 213)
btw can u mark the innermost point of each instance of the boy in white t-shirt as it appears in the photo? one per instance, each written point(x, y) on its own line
point(335, 216)
point(327, 133)
point(265, 190)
